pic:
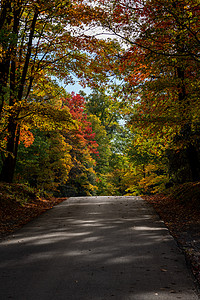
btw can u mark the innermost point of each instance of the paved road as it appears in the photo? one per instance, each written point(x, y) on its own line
point(94, 248)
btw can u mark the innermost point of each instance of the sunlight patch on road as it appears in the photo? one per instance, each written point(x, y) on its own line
point(148, 228)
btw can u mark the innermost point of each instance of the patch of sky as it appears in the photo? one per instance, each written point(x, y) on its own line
point(76, 88)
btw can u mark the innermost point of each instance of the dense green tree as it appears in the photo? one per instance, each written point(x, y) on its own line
point(46, 164)
point(106, 107)
point(104, 145)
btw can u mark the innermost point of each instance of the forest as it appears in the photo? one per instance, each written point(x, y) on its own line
point(138, 129)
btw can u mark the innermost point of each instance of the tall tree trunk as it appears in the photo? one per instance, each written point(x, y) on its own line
point(191, 152)
point(187, 160)
point(9, 163)
point(193, 159)
point(16, 95)
point(5, 23)
point(185, 165)
point(4, 71)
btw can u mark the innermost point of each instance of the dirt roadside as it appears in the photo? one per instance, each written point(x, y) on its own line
point(13, 215)
point(183, 221)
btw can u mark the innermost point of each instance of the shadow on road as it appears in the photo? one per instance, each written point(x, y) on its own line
point(94, 248)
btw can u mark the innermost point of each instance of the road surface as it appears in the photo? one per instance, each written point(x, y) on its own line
point(94, 248)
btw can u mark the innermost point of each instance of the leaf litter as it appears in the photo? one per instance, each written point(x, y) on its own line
point(179, 208)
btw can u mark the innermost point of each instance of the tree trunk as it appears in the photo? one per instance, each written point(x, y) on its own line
point(194, 163)
point(184, 166)
point(9, 162)
point(5, 21)
point(16, 87)
point(7, 172)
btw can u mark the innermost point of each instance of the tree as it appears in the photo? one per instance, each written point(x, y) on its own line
point(44, 159)
point(45, 164)
point(102, 165)
point(106, 107)
point(84, 148)
point(62, 155)
point(40, 40)
point(161, 70)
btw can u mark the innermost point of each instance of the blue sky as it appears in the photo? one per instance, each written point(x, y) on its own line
point(76, 88)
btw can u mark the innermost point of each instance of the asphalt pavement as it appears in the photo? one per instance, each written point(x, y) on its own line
point(95, 248)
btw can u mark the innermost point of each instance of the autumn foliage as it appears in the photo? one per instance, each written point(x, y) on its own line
point(84, 134)
point(41, 44)
point(160, 72)
point(144, 74)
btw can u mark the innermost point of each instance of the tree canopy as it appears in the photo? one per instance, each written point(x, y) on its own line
point(136, 131)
